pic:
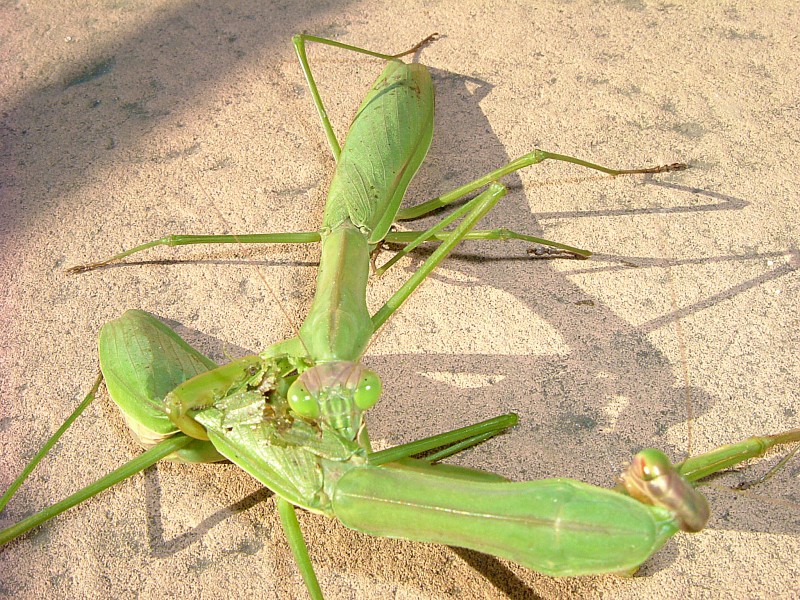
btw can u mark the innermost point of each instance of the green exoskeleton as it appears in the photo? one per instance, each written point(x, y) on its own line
point(293, 416)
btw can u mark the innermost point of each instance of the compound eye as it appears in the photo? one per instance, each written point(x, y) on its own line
point(653, 464)
point(368, 390)
point(301, 401)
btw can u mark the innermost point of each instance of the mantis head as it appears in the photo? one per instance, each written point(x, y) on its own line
point(653, 479)
point(335, 394)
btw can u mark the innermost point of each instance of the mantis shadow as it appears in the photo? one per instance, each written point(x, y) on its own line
point(584, 409)
point(162, 547)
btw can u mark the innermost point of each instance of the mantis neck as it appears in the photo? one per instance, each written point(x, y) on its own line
point(338, 326)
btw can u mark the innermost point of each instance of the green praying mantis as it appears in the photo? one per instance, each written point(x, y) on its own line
point(293, 415)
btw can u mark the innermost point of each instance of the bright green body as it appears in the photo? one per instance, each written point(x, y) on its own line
point(338, 325)
point(292, 416)
point(554, 526)
point(385, 146)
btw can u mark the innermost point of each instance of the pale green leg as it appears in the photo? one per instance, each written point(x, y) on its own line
point(299, 549)
point(527, 160)
point(50, 443)
point(436, 233)
point(303, 237)
point(476, 209)
point(141, 462)
point(501, 233)
point(454, 441)
point(414, 239)
point(746, 485)
point(703, 465)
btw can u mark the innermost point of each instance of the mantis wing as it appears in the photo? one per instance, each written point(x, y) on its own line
point(385, 146)
point(143, 360)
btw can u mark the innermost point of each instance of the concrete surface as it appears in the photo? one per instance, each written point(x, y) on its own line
point(123, 121)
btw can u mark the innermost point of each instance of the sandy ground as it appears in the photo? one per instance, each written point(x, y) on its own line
point(124, 121)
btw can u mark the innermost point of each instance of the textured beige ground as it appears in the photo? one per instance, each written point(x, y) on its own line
point(117, 115)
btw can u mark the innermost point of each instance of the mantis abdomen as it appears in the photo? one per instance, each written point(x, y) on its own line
point(558, 527)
